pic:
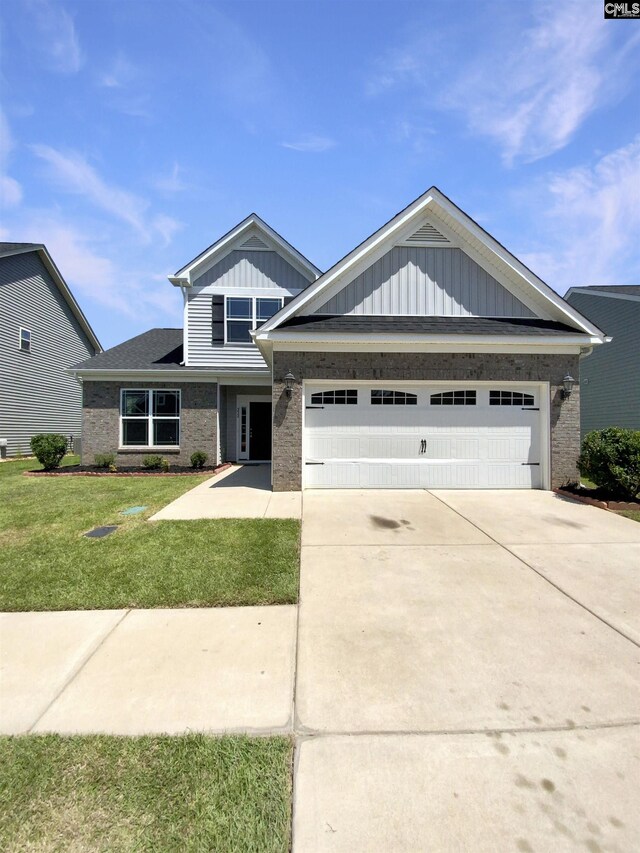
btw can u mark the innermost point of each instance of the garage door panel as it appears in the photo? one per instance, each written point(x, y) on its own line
point(365, 445)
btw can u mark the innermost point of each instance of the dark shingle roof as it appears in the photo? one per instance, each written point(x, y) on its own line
point(157, 349)
point(8, 248)
point(628, 289)
point(351, 323)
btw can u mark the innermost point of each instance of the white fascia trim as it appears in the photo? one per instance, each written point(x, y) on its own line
point(349, 262)
point(229, 377)
point(511, 261)
point(227, 243)
point(389, 233)
point(530, 349)
point(593, 291)
point(391, 338)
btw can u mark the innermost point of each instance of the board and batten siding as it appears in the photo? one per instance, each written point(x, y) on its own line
point(240, 273)
point(424, 281)
point(36, 395)
point(609, 377)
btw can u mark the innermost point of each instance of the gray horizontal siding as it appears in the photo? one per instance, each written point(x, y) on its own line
point(252, 269)
point(422, 281)
point(610, 376)
point(202, 349)
point(35, 393)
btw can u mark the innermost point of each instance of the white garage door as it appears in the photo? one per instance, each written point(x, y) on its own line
point(460, 436)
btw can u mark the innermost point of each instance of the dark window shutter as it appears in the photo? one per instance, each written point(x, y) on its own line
point(288, 299)
point(217, 319)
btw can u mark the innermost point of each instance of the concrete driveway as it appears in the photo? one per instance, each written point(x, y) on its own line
point(468, 674)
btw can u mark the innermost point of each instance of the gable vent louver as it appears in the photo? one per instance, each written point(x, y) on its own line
point(254, 242)
point(427, 233)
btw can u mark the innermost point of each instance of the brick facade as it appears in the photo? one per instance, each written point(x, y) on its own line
point(101, 421)
point(470, 367)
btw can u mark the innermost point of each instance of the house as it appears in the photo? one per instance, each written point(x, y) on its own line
point(429, 356)
point(42, 332)
point(610, 377)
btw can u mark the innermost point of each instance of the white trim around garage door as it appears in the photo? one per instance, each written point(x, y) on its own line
point(541, 391)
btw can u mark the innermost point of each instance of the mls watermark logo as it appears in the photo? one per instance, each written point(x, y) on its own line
point(621, 10)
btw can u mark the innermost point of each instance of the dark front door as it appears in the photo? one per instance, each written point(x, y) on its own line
point(260, 430)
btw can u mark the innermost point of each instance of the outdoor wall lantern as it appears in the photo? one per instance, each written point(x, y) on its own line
point(289, 379)
point(567, 386)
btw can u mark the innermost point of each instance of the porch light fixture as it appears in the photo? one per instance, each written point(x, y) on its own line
point(567, 386)
point(289, 379)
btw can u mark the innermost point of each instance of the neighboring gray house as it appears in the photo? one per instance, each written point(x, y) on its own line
point(611, 375)
point(428, 357)
point(42, 332)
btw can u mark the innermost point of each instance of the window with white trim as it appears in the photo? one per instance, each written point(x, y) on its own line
point(24, 339)
point(335, 398)
point(149, 417)
point(244, 313)
point(510, 398)
point(380, 397)
point(454, 398)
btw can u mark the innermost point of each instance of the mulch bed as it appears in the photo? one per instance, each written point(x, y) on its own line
point(88, 471)
point(597, 497)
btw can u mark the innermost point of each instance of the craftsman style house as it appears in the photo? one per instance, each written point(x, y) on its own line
point(429, 356)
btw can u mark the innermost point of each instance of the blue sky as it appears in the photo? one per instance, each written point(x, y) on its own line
point(136, 133)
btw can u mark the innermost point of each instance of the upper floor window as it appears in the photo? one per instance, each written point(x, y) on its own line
point(244, 313)
point(25, 340)
point(454, 398)
point(392, 398)
point(149, 418)
point(510, 398)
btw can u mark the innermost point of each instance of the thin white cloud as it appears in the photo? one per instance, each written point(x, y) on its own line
point(529, 86)
point(170, 183)
point(73, 174)
point(56, 37)
point(10, 189)
point(590, 220)
point(119, 74)
point(311, 144)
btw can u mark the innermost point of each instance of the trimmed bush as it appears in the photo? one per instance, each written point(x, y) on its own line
point(198, 459)
point(156, 463)
point(611, 459)
point(49, 449)
point(104, 460)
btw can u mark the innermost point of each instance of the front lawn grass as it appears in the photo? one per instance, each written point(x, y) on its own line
point(185, 793)
point(633, 514)
point(47, 564)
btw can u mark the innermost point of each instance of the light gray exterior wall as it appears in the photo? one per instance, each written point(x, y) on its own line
point(259, 273)
point(419, 281)
point(101, 421)
point(252, 268)
point(287, 413)
point(611, 374)
point(36, 395)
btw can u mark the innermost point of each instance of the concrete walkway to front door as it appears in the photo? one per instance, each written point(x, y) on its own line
point(242, 491)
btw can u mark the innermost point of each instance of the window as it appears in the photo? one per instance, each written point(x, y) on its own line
point(392, 398)
point(244, 313)
point(24, 338)
point(149, 418)
point(454, 398)
point(510, 398)
point(335, 398)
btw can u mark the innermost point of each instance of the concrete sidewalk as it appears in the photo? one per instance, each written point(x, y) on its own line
point(130, 672)
point(242, 491)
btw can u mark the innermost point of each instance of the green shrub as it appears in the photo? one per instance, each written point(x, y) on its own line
point(104, 460)
point(155, 463)
point(198, 459)
point(49, 448)
point(611, 459)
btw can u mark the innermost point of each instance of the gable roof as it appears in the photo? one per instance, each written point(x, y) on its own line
point(258, 235)
point(448, 219)
point(10, 249)
point(616, 291)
